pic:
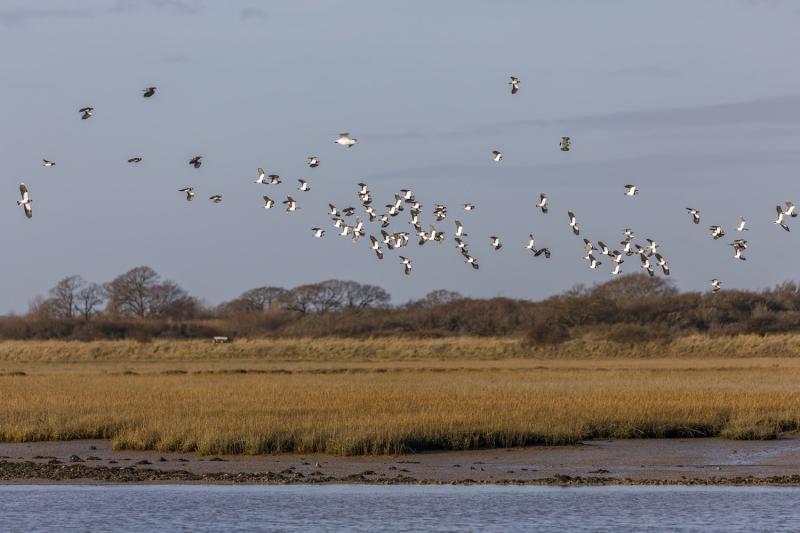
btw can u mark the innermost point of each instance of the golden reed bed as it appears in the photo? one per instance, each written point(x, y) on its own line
point(396, 348)
point(337, 396)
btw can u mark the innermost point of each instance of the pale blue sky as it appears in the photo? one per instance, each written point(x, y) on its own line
point(697, 102)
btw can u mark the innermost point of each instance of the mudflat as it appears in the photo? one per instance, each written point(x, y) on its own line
point(625, 461)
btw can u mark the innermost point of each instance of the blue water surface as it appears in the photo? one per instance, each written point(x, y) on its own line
point(395, 508)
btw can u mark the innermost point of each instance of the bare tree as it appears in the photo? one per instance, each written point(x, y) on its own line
point(169, 300)
point(89, 299)
point(261, 298)
point(300, 299)
point(128, 293)
point(438, 297)
point(332, 295)
point(63, 297)
point(39, 306)
point(255, 300)
point(141, 293)
point(329, 295)
point(363, 295)
point(633, 288)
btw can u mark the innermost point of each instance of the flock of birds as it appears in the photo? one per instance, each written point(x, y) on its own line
point(349, 223)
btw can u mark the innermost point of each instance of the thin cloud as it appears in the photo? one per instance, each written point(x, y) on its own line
point(251, 13)
point(175, 59)
point(604, 171)
point(24, 15)
point(645, 72)
point(178, 7)
point(780, 111)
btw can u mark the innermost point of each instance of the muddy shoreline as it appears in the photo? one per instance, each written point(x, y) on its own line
point(603, 462)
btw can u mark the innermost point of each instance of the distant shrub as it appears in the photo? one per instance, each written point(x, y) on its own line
point(547, 332)
point(630, 309)
point(634, 333)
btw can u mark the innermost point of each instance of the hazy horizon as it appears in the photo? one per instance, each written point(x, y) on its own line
point(688, 100)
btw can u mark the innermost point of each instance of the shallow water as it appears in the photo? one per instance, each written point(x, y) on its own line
point(392, 508)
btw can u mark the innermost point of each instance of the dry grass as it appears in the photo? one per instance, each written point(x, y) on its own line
point(283, 349)
point(393, 349)
point(352, 407)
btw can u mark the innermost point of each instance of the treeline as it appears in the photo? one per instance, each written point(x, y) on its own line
point(140, 304)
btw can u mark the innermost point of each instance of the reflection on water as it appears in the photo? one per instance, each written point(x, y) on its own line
point(391, 508)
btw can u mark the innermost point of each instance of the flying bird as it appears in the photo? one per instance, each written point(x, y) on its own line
point(25, 202)
point(496, 244)
point(739, 246)
point(514, 84)
point(189, 191)
point(318, 232)
point(87, 112)
point(631, 190)
point(661, 262)
point(345, 140)
point(626, 248)
point(565, 143)
point(695, 214)
point(48, 163)
point(497, 156)
point(469, 207)
point(472, 261)
point(136, 159)
point(717, 232)
point(716, 285)
point(312, 161)
point(268, 202)
point(779, 221)
point(459, 230)
point(261, 176)
point(196, 161)
point(573, 223)
point(542, 203)
point(536, 253)
point(406, 265)
point(149, 91)
point(217, 198)
point(375, 246)
point(647, 265)
point(302, 185)
point(742, 223)
point(291, 204)
point(790, 209)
